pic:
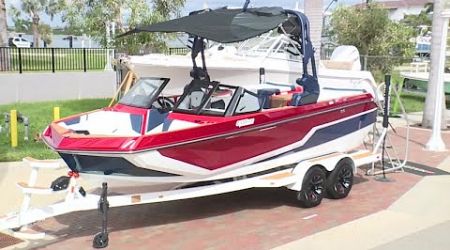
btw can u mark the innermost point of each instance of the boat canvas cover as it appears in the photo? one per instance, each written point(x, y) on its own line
point(222, 25)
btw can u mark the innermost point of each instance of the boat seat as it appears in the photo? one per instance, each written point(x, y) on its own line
point(196, 98)
point(268, 89)
point(310, 92)
point(269, 85)
point(264, 96)
point(299, 99)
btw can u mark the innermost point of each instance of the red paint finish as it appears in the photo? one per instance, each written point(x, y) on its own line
point(224, 151)
point(218, 141)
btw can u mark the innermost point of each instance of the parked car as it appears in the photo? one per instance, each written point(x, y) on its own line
point(19, 42)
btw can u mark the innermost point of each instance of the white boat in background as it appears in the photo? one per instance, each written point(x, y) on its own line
point(267, 59)
point(416, 79)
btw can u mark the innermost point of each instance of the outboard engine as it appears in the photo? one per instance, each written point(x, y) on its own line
point(347, 53)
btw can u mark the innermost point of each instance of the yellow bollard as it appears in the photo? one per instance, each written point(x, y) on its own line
point(56, 115)
point(13, 127)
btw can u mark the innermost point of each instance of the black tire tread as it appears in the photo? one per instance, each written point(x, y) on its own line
point(305, 203)
point(333, 178)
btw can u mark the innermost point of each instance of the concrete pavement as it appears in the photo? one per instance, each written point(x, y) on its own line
point(14, 172)
point(420, 219)
point(418, 216)
point(436, 235)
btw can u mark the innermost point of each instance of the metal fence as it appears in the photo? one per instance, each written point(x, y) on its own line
point(52, 59)
point(367, 60)
point(178, 51)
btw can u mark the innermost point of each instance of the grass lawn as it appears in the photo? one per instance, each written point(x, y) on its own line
point(413, 102)
point(40, 115)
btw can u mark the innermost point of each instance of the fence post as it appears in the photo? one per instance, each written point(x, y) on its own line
point(20, 60)
point(13, 127)
point(84, 60)
point(56, 113)
point(53, 60)
point(5, 59)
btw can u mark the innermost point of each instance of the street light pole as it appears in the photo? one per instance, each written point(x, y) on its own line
point(436, 143)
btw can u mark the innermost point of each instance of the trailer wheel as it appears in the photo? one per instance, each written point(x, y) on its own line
point(313, 187)
point(340, 181)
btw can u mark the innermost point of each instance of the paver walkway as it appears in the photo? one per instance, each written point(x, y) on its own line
point(251, 219)
point(418, 220)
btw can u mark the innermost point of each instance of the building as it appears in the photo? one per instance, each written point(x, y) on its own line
point(399, 8)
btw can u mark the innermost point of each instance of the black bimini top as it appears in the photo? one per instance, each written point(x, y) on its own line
point(222, 25)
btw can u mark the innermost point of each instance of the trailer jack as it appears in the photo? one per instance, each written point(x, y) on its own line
point(101, 239)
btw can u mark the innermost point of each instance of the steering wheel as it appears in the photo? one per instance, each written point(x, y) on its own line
point(163, 103)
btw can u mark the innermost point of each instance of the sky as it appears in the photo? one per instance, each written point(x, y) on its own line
point(198, 4)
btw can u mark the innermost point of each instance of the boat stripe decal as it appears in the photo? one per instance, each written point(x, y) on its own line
point(333, 132)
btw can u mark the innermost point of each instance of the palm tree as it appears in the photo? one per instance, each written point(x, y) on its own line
point(430, 101)
point(3, 25)
point(33, 9)
point(4, 58)
point(314, 11)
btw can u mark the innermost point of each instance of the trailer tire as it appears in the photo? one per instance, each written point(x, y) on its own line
point(313, 187)
point(340, 181)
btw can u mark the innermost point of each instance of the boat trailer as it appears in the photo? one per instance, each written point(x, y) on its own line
point(293, 177)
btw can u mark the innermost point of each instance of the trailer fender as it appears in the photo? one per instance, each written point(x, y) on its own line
point(327, 162)
point(300, 171)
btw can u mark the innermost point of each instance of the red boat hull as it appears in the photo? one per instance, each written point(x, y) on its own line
point(219, 142)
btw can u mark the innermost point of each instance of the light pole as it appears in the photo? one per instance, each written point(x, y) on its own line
point(108, 66)
point(436, 143)
point(314, 11)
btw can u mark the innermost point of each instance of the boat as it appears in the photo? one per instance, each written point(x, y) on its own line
point(416, 78)
point(271, 58)
point(215, 132)
point(418, 82)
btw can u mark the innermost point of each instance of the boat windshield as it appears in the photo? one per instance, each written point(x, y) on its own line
point(144, 92)
point(203, 97)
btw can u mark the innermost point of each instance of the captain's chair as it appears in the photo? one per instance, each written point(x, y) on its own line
point(195, 93)
point(310, 94)
point(195, 99)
